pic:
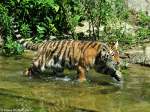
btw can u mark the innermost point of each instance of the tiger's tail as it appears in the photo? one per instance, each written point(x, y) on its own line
point(28, 44)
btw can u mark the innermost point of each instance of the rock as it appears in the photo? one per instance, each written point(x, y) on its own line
point(83, 29)
point(139, 5)
point(139, 55)
point(147, 51)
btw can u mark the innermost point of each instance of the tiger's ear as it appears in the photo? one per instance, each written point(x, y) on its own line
point(116, 45)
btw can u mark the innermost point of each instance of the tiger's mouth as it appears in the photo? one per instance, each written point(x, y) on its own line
point(110, 69)
point(113, 70)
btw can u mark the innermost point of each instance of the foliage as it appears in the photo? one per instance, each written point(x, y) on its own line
point(63, 16)
point(12, 47)
point(118, 34)
point(120, 9)
point(144, 19)
point(40, 33)
point(25, 30)
point(102, 12)
point(39, 19)
point(71, 14)
point(143, 33)
point(97, 12)
point(5, 20)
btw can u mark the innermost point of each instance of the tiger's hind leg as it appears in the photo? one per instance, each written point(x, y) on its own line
point(81, 74)
point(37, 66)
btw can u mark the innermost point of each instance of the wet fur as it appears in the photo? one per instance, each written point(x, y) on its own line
point(78, 55)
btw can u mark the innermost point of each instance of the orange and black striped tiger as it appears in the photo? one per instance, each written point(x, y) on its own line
point(74, 54)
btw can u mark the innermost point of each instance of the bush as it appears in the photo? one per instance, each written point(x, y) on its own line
point(144, 19)
point(25, 30)
point(143, 33)
point(118, 34)
point(12, 47)
point(5, 20)
point(39, 19)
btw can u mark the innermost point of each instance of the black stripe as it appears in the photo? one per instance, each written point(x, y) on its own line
point(73, 50)
point(62, 46)
point(49, 49)
point(68, 49)
point(98, 48)
point(50, 53)
point(94, 44)
point(64, 54)
point(54, 50)
point(65, 48)
point(45, 46)
point(89, 44)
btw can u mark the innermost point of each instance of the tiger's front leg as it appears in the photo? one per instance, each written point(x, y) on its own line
point(81, 73)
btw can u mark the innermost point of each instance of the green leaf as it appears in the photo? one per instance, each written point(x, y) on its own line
point(41, 29)
point(18, 1)
point(56, 7)
point(77, 17)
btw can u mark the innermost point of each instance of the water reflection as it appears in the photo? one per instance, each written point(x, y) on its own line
point(98, 94)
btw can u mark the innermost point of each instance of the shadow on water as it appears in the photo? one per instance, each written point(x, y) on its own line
point(47, 94)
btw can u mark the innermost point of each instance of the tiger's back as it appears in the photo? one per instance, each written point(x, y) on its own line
point(67, 53)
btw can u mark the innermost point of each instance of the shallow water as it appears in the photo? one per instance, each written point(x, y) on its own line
point(98, 94)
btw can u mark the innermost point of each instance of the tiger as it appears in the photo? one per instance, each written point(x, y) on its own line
point(79, 55)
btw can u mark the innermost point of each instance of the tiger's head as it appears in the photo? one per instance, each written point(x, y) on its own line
point(108, 60)
point(114, 51)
